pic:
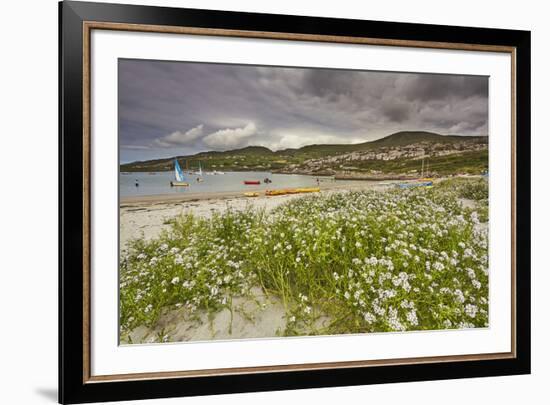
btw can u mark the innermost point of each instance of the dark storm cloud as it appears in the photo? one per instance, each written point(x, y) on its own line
point(168, 108)
point(439, 87)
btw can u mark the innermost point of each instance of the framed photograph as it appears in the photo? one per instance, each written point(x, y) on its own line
point(255, 202)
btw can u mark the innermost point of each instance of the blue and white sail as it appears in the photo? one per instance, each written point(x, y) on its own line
point(178, 172)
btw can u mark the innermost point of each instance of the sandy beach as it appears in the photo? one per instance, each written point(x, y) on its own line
point(146, 216)
point(259, 317)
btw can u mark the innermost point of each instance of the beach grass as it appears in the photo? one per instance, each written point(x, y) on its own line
point(360, 261)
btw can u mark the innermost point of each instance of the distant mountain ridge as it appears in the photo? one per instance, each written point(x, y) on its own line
point(263, 158)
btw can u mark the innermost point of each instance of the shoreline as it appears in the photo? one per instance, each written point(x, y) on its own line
point(125, 201)
point(147, 216)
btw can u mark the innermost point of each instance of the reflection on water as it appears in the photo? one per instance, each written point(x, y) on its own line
point(159, 182)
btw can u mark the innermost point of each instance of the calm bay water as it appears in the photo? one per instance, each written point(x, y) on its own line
point(159, 182)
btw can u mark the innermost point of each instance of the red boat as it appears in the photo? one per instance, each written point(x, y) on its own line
point(252, 182)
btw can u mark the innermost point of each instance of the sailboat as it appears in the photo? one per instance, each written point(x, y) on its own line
point(179, 176)
point(199, 174)
point(421, 182)
point(424, 175)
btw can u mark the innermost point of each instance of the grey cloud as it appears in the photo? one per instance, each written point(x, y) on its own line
point(230, 137)
point(168, 108)
point(439, 87)
point(397, 112)
point(180, 138)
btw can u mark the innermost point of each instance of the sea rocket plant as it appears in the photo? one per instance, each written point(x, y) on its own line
point(360, 261)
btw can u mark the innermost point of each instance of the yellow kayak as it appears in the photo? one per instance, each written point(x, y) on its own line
point(251, 194)
point(308, 190)
point(285, 191)
point(178, 183)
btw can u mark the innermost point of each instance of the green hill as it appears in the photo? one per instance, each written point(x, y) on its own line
point(259, 158)
point(412, 137)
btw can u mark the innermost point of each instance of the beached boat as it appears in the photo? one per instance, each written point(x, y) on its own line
point(308, 190)
point(251, 194)
point(178, 173)
point(285, 191)
point(427, 184)
point(252, 182)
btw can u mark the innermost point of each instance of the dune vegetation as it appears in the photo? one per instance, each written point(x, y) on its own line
point(361, 261)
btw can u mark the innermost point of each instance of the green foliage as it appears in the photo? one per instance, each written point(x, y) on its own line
point(259, 158)
point(471, 189)
point(366, 261)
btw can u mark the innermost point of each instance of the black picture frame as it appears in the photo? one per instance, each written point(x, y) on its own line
point(73, 384)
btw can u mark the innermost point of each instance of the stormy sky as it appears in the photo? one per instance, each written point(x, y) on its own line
point(180, 108)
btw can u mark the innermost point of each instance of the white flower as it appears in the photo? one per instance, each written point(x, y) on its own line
point(438, 266)
point(369, 318)
point(471, 273)
point(175, 280)
point(393, 320)
point(412, 318)
point(459, 295)
point(471, 310)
